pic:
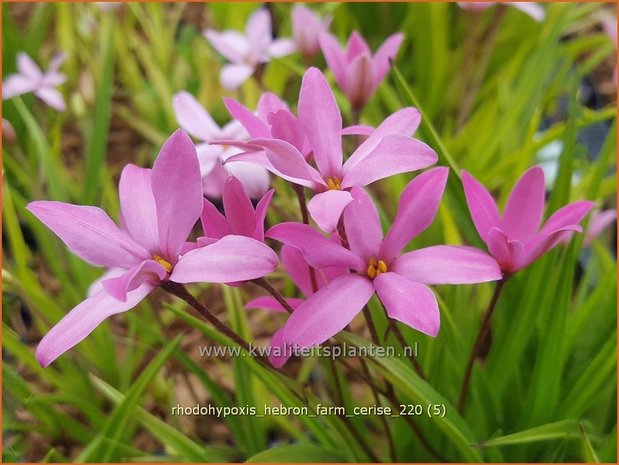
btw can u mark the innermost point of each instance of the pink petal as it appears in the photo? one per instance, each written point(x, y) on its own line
point(213, 182)
point(403, 122)
point(542, 244)
point(509, 253)
point(317, 250)
point(56, 62)
point(27, 67)
point(260, 215)
point(362, 225)
point(410, 302)
point(214, 224)
point(209, 156)
point(258, 30)
point(177, 188)
point(270, 303)
point(281, 48)
point(359, 80)
point(358, 130)
point(285, 126)
point(481, 205)
point(254, 178)
point(298, 269)
point(17, 84)
point(393, 155)
point(327, 207)
point(289, 161)
point(137, 205)
point(232, 76)
point(193, 118)
point(387, 52)
point(238, 207)
point(321, 118)
point(232, 258)
point(52, 97)
point(328, 311)
point(89, 233)
point(334, 56)
point(532, 9)
point(599, 222)
point(269, 103)
point(147, 271)
point(418, 205)
point(97, 284)
point(568, 215)
point(356, 46)
point(525, 206)
point(254, 125)
point(278, 352)
point(52, 79)
point(231, 44)
point(447, 264)
point(82, 320)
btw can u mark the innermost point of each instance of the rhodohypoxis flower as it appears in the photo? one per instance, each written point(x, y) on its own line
point(389, 150)
point(306, 29)
point(400, 280)
point(159, 209)
point(247, 51)
point(30, 78)
point(194, 119)
point(532, 9)
point(515, 238)
point(241, 218)
point(356, 70)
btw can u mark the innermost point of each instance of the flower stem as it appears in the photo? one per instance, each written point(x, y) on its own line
point(483, 330)
point(181, 292)
point(305, 217)
point(266, 285)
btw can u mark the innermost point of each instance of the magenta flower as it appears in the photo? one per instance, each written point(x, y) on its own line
point(241, 218)
point(356, 70)
point(531, 9)
point(193, 118)
point(387, 151)
point(515, 238)
point(306, 29)
point(30, 78)
point(247, 51)
point(399, 280)
point(159, 209)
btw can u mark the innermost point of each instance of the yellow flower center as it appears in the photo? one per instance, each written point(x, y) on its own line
point(376, 267)
point(334, 183)
point(163, 263)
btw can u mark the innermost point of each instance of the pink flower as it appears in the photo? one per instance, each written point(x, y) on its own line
point(515, 238)
point(159, 209)
point(532, 9)
point(399, 280)
point(356, 70)
point(30, 78)
point(241, 218)
point(247, 51)
point(306, 29)
point(194, 119)
point(600, 220)
point(387, 151)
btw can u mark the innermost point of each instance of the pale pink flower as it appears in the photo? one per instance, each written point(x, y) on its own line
point(193, 118)
point(248, 51)
point(306, 29)
point(357, 71)
point(30, 78)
